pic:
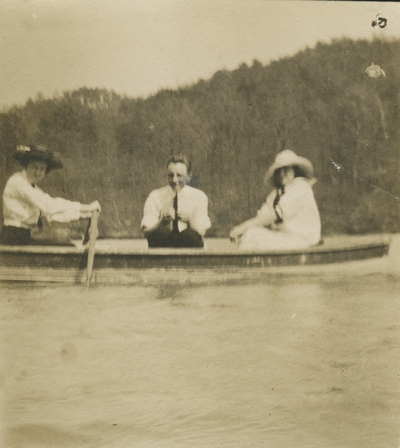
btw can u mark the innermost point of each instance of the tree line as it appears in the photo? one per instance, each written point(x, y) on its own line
point(319, 103)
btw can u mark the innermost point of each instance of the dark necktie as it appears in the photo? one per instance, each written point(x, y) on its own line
point(175, 228)
point(279, 193)
point(40, 222)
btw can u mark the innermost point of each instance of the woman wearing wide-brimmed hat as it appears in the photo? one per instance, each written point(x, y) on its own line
point(24, 203)
point(290, 211)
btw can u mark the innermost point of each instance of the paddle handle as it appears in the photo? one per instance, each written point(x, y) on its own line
point(92, 245)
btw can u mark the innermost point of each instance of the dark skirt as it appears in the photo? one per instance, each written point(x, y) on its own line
point(15, 236)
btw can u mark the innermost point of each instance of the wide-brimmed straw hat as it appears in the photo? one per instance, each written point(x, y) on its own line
point(289, 158)
point(27, 154)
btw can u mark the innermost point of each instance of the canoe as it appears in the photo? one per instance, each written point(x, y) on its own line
point(130, 262)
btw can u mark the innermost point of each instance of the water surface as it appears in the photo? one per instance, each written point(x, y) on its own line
point(280, 363)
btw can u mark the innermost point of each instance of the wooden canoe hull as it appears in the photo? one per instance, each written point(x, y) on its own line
point(127, 265)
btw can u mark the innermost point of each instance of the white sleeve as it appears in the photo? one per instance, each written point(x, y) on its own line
point(151, 212)
point(54, 209)
point(268, 205)
point(200, 217)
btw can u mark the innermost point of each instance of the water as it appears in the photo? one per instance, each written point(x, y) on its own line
point(305, 363)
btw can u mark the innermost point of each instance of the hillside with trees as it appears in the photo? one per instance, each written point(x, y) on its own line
point(319, 103)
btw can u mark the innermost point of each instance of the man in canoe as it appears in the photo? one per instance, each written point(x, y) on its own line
point(176, 215)
point(290, 210)
point(24, 203)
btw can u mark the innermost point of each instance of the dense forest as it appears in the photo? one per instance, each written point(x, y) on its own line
point(319, 103)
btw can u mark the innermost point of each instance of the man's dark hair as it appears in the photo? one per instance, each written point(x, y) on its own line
point(181, 158)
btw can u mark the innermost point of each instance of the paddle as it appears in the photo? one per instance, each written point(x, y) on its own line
point(92, 244)
point(85, 239)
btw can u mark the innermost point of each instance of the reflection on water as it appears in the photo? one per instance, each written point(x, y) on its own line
point(310, 363)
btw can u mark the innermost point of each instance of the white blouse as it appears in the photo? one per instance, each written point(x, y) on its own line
point(297, 209)
point(24, 203)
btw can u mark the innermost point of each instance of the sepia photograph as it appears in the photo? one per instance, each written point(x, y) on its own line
point(200, 224)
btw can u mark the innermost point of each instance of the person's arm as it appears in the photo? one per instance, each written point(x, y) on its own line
point(198, 220)
point(154, 217)
point(54, 209)
point(262, 220)
point(165, 219)
point(193, 224)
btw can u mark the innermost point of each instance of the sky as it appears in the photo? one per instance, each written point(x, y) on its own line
point(137, 47)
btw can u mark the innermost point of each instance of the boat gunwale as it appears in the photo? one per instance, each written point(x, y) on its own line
point(188, 252)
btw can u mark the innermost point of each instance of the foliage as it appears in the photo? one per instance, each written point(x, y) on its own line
point(320, 103)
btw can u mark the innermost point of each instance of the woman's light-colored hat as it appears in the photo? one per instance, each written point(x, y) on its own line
point(27, 154)
point(289, 158)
